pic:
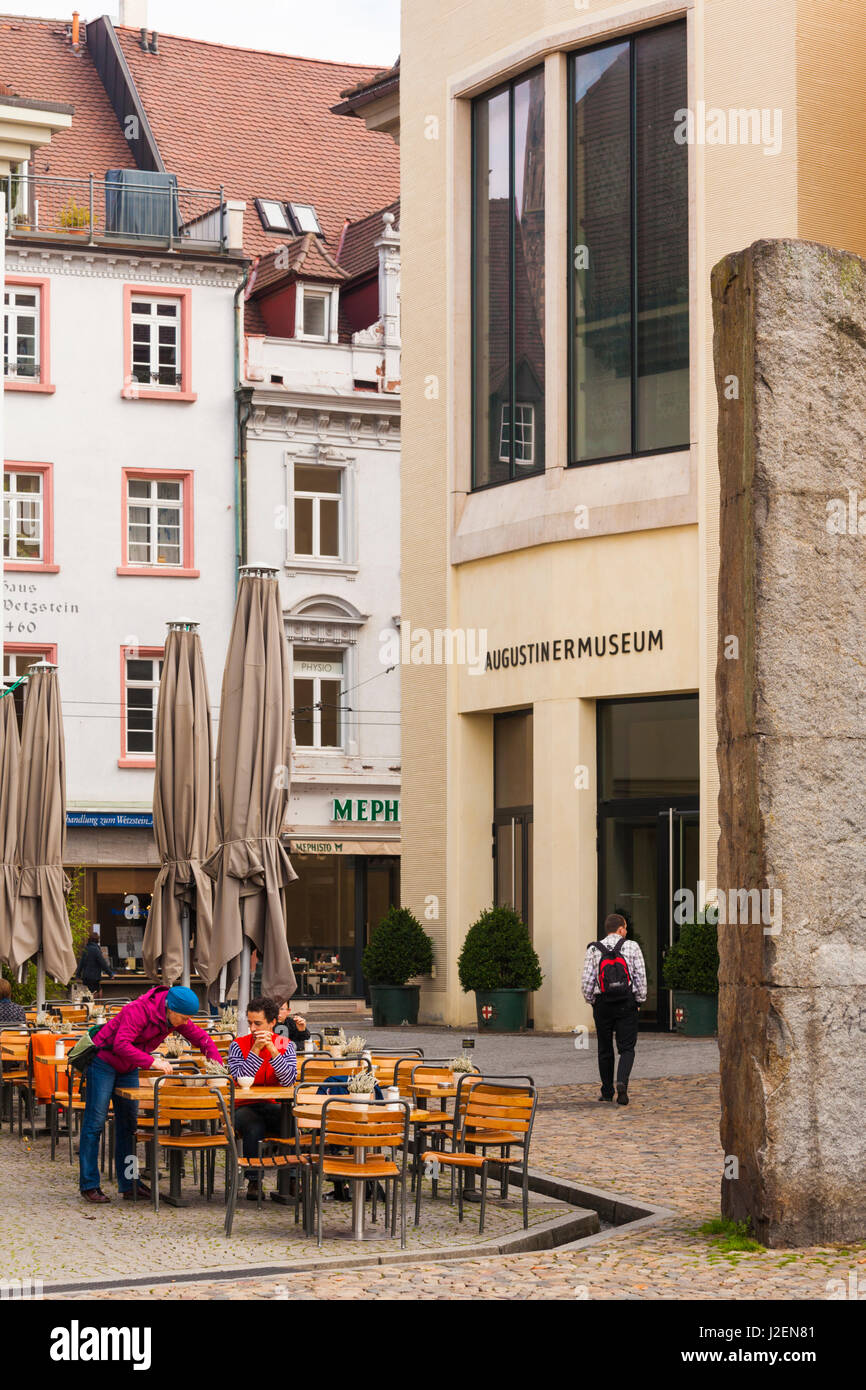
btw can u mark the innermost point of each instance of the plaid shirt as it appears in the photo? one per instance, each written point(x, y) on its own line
point(633, 957)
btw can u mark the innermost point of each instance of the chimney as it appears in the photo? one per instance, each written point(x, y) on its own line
point(133, 14)
point(75, 29)
point(153, 45)
point(142, 40)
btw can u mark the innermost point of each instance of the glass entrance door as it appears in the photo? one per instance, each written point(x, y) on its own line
point(512, 850)
point(647, 823)
point(677, 868)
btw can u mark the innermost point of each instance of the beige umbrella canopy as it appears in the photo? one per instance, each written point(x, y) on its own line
point(250, 866)
point(41, 924)
point(182, 811)
point(9, 753)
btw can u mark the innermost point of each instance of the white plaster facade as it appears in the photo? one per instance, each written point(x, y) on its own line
point(89, 430)
point(305, 409)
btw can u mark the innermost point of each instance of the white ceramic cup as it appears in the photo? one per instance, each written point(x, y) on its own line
point(245, 1082)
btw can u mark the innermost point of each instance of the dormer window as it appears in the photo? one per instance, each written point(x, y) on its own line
point(304, 218)
point(316, 313)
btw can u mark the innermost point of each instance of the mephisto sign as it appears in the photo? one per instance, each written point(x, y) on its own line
point(574, 648)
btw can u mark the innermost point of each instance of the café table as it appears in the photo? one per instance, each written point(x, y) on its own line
point(308, 1118)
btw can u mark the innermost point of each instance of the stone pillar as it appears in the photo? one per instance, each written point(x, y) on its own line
point(790, 359)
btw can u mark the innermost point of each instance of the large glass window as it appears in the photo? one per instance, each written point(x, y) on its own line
point(648, 748)
point(508, 282)
point(629, 268)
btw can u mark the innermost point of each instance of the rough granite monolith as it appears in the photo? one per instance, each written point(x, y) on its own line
point(790, 362)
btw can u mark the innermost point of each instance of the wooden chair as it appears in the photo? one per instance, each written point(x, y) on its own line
point(384, 1126)
point(70, 1013)
point(290, 1154)
point(495, 1114)
point(384, 1063)
point(323, 1068)
point(409, 1074)
point(16, 1072)
point(182, 1103)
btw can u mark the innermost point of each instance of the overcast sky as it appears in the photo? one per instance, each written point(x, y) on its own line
point(355, 31)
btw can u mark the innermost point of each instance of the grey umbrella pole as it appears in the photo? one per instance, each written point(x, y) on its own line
point(184, 931)
point(223, 977)
point(40, 983)
point(244, 989)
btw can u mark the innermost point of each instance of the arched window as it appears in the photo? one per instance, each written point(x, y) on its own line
point(322, 632)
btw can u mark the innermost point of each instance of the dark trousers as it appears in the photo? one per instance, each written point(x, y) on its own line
point(254, 1123)
point(615, 1021)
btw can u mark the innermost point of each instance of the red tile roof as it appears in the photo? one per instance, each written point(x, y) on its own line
point(260, 124)
point(357, 251)
point(37, 61)
point(305, 258)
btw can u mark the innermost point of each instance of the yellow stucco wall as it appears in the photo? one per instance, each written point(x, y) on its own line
point(776, 56)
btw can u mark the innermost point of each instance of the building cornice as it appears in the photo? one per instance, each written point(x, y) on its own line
point(99, 264)
point(317, 418)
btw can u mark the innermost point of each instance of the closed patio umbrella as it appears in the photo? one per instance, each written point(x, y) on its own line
point(182, 811)
point(41, 925)
point(9, 875)
point(250, 866)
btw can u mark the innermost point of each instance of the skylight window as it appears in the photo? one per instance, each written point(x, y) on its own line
point(273, 214)
point(304, 218)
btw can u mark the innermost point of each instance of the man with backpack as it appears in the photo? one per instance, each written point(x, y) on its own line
point(614, 983)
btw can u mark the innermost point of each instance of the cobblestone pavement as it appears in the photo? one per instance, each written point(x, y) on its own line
point(551, 1059)
point(663, 1148)
point(49, 1233)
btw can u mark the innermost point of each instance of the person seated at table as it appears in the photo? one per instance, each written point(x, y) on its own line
point(271, 1060)
point(123, 1045)
point(292, 1025)
point(9, 1011)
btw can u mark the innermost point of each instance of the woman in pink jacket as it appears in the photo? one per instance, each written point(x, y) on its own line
point(128, 1042)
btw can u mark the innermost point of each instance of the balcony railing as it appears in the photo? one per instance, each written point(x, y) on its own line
point(101, 211)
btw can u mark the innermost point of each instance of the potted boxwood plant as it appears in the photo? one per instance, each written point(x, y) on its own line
point(691, 970)
point(398, 950)
point(499, 963)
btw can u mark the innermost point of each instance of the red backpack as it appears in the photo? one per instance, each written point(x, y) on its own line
point(612, 972)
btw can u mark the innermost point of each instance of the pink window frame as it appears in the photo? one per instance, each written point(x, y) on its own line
point(45, 651)
point(46, 565)
point(131, 390)
point(43, 386)
point(187, 570)
point(147, 653)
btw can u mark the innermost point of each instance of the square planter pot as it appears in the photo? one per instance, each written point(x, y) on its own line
point(394, 1004)
point(501, 1010)
point(696, 1015)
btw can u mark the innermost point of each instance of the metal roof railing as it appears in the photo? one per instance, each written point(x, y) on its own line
point(110, 211)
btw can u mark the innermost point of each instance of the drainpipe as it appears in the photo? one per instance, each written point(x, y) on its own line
point(243, 399)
